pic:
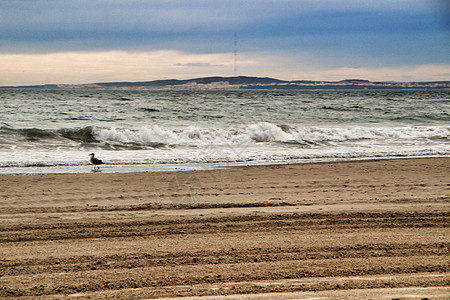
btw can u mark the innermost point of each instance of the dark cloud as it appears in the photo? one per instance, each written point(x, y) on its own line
point(360, 28)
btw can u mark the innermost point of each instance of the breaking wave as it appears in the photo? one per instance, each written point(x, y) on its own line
point(35, 134)
point(263, 132)
point(259, 142)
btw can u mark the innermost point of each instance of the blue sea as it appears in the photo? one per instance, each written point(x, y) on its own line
point(54, 131)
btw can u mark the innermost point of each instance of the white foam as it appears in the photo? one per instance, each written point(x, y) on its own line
point(263, 132)
point(261, 142)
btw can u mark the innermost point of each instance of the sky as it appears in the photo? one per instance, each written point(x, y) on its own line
point(84, 41)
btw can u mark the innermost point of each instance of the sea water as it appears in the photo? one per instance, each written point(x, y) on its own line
point(51, 131)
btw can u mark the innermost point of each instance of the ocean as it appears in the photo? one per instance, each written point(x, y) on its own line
point(54, 131)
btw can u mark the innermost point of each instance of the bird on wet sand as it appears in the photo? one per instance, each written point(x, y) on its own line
point(95, 161)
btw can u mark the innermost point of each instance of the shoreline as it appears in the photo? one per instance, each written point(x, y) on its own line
point(361, 229)
point(150, 168)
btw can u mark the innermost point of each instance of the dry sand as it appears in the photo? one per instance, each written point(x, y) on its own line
point(350, 230)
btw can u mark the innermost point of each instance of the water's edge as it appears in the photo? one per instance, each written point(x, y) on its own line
point(146, 168)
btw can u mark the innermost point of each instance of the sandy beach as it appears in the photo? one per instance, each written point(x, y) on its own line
point(347, 230)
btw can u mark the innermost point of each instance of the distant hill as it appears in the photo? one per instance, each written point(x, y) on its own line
point(247, 83)
point(238, 80)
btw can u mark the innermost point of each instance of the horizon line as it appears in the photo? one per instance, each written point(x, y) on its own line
point(220, 77)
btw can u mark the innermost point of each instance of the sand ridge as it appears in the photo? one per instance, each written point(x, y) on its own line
point(347, 228)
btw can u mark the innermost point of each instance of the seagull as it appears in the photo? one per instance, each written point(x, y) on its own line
point(95, 161)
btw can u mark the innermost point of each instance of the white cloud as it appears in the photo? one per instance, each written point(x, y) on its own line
point(106, 66)
point(87, 67)
point(429, 72)
point(307, 66)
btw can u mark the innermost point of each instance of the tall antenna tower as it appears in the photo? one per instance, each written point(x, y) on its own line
point(235, 53)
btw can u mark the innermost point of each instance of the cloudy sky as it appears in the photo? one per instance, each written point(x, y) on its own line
point(82, 41)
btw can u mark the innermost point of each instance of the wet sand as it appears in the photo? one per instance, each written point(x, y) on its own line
point(349, 230)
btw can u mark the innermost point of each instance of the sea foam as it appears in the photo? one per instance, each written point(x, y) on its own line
point(262, 132)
